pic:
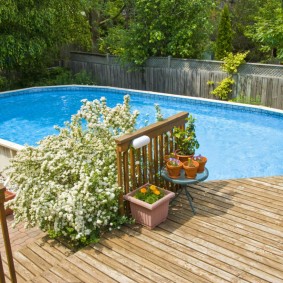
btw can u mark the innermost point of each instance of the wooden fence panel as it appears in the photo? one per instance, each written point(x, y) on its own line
point(186, 77)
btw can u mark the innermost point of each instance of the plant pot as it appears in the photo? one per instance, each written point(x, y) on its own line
point(174, 171)
point(184, 158)
point(149, 215)
point(191, 171)
point(8, 196)
point(202, 163)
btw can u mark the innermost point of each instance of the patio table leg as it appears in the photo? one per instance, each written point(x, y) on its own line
point(190, 198)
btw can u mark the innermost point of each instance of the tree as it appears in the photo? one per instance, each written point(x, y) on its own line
point(161, 28)
point(103, 15)
point(224, 36)
point(243, 13)
point(32, 33)
point(268, 29)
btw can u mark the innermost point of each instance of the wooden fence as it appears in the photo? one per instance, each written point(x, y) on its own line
point(139, 166)
point(7, 243)
point(257, 82)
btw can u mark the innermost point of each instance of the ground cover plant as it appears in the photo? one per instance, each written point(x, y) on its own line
point(67, 185)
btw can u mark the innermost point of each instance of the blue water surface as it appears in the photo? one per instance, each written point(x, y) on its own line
point(239, 142)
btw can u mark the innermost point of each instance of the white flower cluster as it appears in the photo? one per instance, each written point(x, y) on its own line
point(68, 183)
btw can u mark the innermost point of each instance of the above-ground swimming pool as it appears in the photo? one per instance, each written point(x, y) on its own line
point(239, 141)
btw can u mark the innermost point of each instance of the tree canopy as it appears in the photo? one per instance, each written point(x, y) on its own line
point(268, 28)
point(32, 33)
point(161, 28)
point(224, 36)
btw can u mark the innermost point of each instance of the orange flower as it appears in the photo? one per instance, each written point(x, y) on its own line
point(156, 192)
point(152, 187)
point(143, 190)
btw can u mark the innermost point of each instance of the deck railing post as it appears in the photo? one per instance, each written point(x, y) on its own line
point(6, 237)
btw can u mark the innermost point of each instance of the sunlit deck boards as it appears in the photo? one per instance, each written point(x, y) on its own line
point(236, 236)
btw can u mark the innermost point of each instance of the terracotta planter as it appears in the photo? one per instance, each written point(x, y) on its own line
point(8, 196)
point(202, 163)
point(149, 215)
point(174, 171)
point(184, 158)
point(191, 171)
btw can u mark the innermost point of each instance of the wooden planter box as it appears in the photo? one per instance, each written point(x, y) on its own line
point(8, 196)
point(149, 215)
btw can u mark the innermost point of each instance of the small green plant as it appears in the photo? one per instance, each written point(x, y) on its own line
point(210, 83)
point(231, 64)
point(190, 162)
point(224, 88)
point(233, 61)
point(149, 193)
point(247, 100)
point(186, 139)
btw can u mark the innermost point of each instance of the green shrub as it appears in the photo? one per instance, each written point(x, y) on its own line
point(224, 88)
point(67, 185)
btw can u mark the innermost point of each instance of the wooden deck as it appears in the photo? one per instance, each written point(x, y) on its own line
point(236, 236)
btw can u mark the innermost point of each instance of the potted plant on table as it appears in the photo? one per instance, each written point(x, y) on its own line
point(201, 161)
point(186, 140)
point(149, 204)
point(174, 167)
point(191, 167)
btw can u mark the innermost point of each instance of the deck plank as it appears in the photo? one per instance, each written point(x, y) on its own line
point(235, 236)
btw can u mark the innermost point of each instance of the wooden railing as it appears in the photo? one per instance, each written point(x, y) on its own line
point(139, 166)
point(6, 239)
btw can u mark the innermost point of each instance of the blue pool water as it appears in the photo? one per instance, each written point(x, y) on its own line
point(238, 141)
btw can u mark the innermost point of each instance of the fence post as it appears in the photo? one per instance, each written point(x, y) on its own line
point(107, 58)
point(5, 234)
point(169, 61)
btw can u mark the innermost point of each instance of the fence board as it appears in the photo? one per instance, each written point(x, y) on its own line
point(185, 77)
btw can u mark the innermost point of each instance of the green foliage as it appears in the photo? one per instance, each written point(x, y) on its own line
point(32, 33)
point(62, 76)
point(225, 35)
point(247, 100)
point(185, 139)
point(230, 65)
point(224, 88)
point(233, 61)
point(162, 28)
point(268, 29)
point(242, 14)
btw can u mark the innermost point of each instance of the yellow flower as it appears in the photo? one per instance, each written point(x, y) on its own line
point(152, 187)
point(143, 190)
point(156, 192)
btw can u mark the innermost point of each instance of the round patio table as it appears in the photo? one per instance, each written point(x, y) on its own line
point(184, 183)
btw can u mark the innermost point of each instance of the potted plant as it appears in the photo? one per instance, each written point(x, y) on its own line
point(170, 155)
point(201, 161)
point(191, 168)
point(186, 140)
point(149, 204)
point(174, 167)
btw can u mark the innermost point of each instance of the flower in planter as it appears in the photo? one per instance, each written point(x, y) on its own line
point(202, 161)
point(174, 162)
point(149, 194)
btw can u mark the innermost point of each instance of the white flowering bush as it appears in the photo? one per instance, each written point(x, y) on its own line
point(67, 185)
